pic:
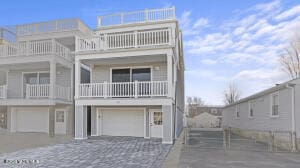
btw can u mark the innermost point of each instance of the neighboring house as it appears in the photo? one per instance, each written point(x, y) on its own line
point(137, 77)
point(274, 109)
point(204, 116)
point(36, 76)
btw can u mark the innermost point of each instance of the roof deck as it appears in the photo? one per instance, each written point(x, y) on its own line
point(143, 16)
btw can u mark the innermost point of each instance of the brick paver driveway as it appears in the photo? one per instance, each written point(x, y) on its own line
point(95, 152)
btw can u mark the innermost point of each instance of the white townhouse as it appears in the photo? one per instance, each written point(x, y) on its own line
point(275, 109)
point(136, 83)
point(36, 76)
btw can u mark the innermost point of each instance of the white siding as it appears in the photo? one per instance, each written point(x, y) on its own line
point(262, 119)
point(63, 77)
point(101, 73)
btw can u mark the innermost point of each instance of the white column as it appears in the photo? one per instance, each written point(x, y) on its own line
point(80, 122)
point(52, 79)
point(170, 74)
point(77, 77)
point(72, 83)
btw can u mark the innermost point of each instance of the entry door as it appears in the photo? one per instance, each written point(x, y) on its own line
point(60, 121)
point(156, 124)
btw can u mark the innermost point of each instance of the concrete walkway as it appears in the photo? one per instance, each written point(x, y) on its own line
point(11, 142)
point(173, 157)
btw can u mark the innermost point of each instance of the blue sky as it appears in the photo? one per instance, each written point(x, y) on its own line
point(225, 40)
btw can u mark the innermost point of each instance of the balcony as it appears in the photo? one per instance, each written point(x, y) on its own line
point(153, 15)
point(40, 91)
point(137, 39)
point(52, 27)
point(124, 89)
point(43, 47)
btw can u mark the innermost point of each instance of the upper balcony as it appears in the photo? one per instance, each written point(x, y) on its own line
point(32, 48)
point(54, 26)
point(144, 16)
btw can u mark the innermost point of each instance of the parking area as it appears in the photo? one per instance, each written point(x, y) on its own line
point(205, 149)
point(95, 152)
point(11, 142)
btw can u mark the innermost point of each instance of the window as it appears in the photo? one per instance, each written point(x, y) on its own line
point(131, 74)
point(60, 116)
point(275, 105)
point(251, 110)
point(121, 75)
point(157, 118)
point(237, 111)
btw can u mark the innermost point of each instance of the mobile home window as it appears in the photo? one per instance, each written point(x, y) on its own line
point(237, 112)
point(275, 105)
point(251, 110)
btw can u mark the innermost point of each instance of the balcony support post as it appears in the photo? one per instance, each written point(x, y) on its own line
point(77, 78)
point(170, 74)
point(52, 79)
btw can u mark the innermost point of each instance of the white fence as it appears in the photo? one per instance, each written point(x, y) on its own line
point(124, 89)
point(147, 15)
point(3, 92)
point(43, 91)
point(126, 40)
point(50, 26)
point(41, 47)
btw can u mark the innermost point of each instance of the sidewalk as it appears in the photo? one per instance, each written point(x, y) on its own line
point(173, 157)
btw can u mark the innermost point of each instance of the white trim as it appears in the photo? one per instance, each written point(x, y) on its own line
point(251, 106)
point(124, 102)
point(271, 105)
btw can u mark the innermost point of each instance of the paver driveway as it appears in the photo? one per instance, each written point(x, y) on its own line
point(95, 152)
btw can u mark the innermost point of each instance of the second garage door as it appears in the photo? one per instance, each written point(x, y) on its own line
point(122, 122)
point(32, 120)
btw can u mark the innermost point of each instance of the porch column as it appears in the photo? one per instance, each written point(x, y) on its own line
point(77, 77)
point(51, 121)
point(170, 74)
point(167, 112)
point(52, 79)
point(147, 121)
point(80, 122)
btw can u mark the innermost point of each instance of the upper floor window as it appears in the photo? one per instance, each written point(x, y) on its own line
point(275, 104)
point(131, 74)
point(251, 109)
point(237, 111)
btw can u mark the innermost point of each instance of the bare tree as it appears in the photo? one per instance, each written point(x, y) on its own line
point(290, 59)
point(231, 94)
point(192, 105)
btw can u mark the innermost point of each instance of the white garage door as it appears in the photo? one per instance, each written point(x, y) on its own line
point(32, 120)
point(123, 122)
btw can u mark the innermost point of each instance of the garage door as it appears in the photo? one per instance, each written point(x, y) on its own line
point(32, 120)
point(125, 122)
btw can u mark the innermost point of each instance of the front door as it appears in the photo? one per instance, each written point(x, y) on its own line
point(3, 116)
point(156, 124)
point(60, 121)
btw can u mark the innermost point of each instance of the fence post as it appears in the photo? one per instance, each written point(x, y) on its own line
point(271, 141)
point(146, 15)
point(293, 141)
point(229, 137)
point(224, 138)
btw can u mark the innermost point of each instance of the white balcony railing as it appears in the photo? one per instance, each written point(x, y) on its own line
point(51, 26)
point(3, 92)
point(126, 40)
point(147, 15)
point(43, 91)
point(124, 89)
point(42, 47)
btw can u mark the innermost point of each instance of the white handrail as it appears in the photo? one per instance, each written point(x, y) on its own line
point(124, 89)
point(3, 92)
point(43, 91)
point(40, 47)
point(63, 92)
point(149, 38)
point(147, 15)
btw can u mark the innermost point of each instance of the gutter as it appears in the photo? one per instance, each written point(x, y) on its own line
point(294, 138)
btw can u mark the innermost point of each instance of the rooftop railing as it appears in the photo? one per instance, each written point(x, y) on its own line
point(7, 34)
point(51, 26)
point(41, 47)
point(147, 15)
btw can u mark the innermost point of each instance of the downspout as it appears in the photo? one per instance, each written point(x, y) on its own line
point(294, 137)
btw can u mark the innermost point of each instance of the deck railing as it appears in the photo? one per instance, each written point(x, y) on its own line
point(3, 92)
point(41, 47)
point(7, 34)
point(50, 27)
point(43, 91)
point(150, 38)
point(124, 89)
point(147, 15)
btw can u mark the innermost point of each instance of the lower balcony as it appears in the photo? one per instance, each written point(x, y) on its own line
point(143, 89)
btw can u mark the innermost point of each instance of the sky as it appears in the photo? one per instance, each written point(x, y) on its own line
point(225, 41)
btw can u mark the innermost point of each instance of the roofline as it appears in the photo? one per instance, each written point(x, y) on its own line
point(264, 92)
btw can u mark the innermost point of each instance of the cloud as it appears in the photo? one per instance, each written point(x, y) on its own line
point(191, 26)
point(289, 13)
